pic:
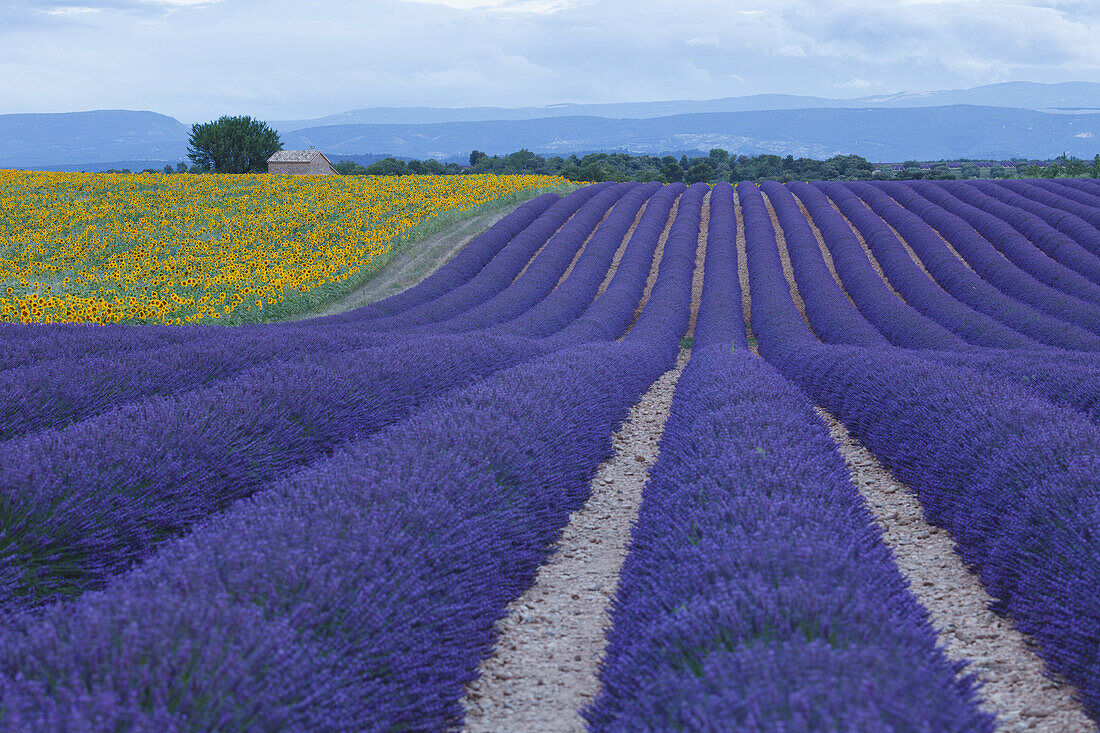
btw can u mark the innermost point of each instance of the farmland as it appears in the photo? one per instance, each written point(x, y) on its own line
point(100, 248)
point(392, 518)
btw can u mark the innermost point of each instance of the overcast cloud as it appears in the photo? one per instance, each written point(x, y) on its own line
point(284, 59)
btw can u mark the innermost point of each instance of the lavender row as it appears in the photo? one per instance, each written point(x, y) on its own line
point(1069, 237)
point(918, 288)
point(833, 316)
point(544, 271)
point(1067, 379)
point(1066, 189)
point(1012, 477)
point(667, 312)
point(1025, 239)
point(897, 320)
point(1087, 187)
point(773, 310)
point(25, 344)
point(991, 263)
point(460, 269)
point(137, 464)
point(719, 320)
point(611, 314)
point(500, 272)
point(360, 593)
point(963, 283)
point(55, 392)
point(572, 297)
point(82, 503)
point(757, 594)
point(357, 595)
point(1079, 205)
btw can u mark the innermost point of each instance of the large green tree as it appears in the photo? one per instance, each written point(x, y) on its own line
point(233, 145)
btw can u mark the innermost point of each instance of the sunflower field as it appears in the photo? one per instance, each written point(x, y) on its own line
point(177, 249)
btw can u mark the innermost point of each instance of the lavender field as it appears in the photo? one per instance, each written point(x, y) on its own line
point(322, 525)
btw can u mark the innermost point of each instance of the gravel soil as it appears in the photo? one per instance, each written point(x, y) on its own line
point(743, 272)
point(700, 258)
point(1015, 686)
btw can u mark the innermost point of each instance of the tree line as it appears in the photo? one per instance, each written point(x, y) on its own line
point(242, 145)
point(718, 165)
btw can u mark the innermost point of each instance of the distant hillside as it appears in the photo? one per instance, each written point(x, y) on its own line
point(1074, 95)
point(877, 134)
point(1008, 123)
point(1024, 95)
point(102, 136)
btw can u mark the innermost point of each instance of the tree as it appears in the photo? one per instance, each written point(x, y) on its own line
point(181, 167)
point(167, 168)
point(671, 170)
point(233, 145)
point(699, 173)
point(476, 157)
point(1076, 167)
point(349, 168)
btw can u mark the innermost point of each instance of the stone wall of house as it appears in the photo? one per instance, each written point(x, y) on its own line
point(318, 166)
point(293, 168)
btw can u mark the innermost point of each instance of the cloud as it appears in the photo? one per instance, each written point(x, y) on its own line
point(280, 59)
point(70, 10)
point(507, 6)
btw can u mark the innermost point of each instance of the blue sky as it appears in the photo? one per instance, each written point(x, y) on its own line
point(286, 59)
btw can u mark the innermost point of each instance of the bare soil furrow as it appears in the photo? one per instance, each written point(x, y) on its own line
point(700, 258)
point(743, 272)
point(1016, 687)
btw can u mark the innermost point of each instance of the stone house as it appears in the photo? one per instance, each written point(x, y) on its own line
point(300, 162)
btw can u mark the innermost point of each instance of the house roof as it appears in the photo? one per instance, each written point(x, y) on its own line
point(295, 156)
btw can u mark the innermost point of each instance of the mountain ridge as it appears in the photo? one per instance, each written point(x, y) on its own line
point(899, 126)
